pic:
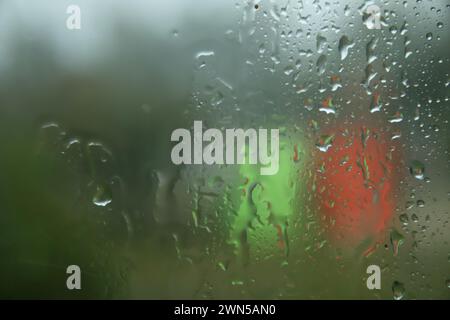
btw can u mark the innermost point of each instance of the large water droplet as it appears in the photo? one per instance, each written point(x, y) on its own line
point(397, 117)
point(344, 45)
point(417, 169)
point(398, 290)
point(321, 63)
point(375, 104)
point(203, 57)
point(396, 241)
point(102, 196)
point(324, 142)
point(321, 43)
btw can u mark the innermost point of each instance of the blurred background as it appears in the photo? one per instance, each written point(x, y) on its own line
point(86, 176)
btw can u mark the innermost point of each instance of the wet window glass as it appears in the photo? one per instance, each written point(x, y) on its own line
point(194, 149)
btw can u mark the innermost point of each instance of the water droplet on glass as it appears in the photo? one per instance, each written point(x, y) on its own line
point(344, 45)
point(321, 43)
point(203, 57)
point(102, 196)
point(398, 290)
point(324, 142)
point(375, 103)
point(396, 241)
point(288, 70)
point(397, 117)
point(417, 169)
point(404, 219)
point(99, 151)
point(327, 106)
point(393, 30)
point(321, 63)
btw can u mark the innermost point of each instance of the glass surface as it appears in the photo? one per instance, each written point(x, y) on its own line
point(89, 100)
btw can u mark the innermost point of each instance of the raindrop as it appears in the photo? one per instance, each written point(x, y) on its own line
point(397, 117)
point(404, 28)
point(288, 70)
point(321, 63)
point(409, 205)
point(262, 49)
point(404, 219)
point(102, 196)
point(407, 53)
point(417, 169)
point(398, 290)
point(393, 30)
point(347, 10)
point(375, 104)
point(217, 99)
point(321, 43)
point(72, 143)
point(52, 134)
point(344, 45)
point(202, 58)
point(335, 82)
point(99, 151)
point(327, 106)
point(370, 75)
point(308, 103)
point(396, 241)
point(370, 50)
point(324, 142)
